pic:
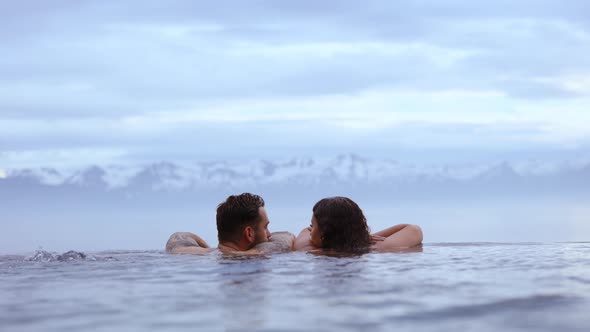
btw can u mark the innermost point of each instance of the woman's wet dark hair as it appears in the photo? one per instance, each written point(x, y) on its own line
point(342, 225)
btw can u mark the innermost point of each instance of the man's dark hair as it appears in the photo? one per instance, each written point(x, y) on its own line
point(237, 212)
point(342, 224)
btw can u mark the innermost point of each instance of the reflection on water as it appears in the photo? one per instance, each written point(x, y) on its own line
point(243, 288)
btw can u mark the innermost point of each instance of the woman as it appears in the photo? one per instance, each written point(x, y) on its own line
point(338, 224)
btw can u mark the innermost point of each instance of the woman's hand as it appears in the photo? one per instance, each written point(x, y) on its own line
point(398, 236)
point(377, 238)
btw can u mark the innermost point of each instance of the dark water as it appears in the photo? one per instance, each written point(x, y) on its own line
point(446, 287)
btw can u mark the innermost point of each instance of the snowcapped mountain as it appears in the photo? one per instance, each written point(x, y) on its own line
point(343, 170)
point(93, 176)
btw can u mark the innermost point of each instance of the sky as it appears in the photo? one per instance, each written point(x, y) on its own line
point(115, 82)
point(85, 82)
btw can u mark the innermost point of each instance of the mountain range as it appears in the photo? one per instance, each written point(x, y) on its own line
point(344, 173)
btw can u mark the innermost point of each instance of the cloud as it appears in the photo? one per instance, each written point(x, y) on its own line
point(385, 118)
point(200, 51)
point(300, 74)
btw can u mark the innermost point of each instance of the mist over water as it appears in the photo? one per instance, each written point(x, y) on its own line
point(69, 227)
point(118, 207)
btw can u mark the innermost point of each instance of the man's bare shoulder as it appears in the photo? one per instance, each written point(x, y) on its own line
point(279, 242)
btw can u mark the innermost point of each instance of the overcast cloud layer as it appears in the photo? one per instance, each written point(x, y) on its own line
point(92, 81)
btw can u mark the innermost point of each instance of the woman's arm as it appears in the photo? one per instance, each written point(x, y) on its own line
point(303, 240)
point(399, 236)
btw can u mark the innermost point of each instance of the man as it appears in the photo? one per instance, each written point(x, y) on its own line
point(242, 227)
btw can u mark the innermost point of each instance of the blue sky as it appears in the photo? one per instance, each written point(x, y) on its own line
point(120, 81)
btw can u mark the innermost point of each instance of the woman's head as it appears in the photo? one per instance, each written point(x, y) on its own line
point(338, 223)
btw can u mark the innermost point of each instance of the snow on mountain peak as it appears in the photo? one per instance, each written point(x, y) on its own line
point(347, 168)
point(92, 176)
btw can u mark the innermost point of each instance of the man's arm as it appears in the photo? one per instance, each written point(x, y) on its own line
point(399, 236)
point(279, 242)
point(303, 240)
point(186, 243)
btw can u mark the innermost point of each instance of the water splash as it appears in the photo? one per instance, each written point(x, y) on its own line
point(45, 256)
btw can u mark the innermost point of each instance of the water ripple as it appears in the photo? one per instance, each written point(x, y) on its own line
point(478, 286)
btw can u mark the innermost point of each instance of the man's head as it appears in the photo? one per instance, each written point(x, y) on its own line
point(242, 220)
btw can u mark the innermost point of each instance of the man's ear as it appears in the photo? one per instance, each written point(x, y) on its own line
point(249, 234)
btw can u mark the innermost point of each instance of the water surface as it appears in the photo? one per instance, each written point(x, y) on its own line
point(446, 286)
